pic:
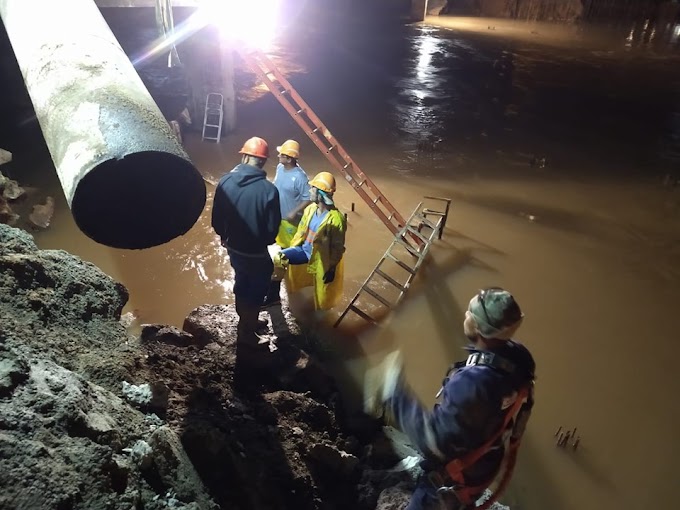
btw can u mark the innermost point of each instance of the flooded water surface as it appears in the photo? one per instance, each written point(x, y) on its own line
point(562, 161)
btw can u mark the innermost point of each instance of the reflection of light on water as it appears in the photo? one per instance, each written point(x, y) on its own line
point(427, 46)
point(419, 93)
point(629, 39)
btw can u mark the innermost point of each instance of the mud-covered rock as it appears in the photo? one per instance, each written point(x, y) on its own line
point(211, 323)
point(15, 241)
point(64, 307)
point(166, 334)
point(65, 440)
point(147, 396)
point(174, 469)
point(58, 437)
point(5, 156)
point(41, 216)
point(394, 498)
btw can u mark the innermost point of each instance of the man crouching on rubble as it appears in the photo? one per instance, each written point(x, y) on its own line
point(481, 412)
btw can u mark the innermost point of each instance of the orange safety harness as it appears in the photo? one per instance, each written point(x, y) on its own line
point(455, 468)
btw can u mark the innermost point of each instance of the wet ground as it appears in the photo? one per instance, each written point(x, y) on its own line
point(588, 240)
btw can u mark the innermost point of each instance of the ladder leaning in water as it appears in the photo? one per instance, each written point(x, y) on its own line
point(426, 225)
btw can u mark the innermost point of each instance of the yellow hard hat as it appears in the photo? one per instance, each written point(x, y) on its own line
point(290, 148)
point(324, 181)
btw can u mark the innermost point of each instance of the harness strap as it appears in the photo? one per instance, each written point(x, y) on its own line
point(456, 467)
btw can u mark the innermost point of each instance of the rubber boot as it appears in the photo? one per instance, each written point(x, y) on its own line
point(247, 324)
point(273, 296)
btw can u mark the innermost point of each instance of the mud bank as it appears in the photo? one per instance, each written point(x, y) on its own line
point(92, 417)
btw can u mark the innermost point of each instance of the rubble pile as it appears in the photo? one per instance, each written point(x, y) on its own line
point(93, 417)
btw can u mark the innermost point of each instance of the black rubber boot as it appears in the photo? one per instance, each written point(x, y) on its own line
point(273, 296)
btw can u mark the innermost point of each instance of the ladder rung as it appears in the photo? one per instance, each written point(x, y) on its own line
point(361, 314)
point(315, 129)
point(407, 246)
point(400, 263)
point(377, 296)
point(331, 148)
point(423, 219)
point(415, 232)
point(347, 165)
point(391, 280)
point(377, 199)
point(301, 110)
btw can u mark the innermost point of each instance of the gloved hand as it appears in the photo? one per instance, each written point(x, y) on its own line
point(280, 261)
point(329, 276)
point(380, 382)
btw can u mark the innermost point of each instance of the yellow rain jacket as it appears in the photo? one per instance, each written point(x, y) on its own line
point(286, 233)
point(327, 250)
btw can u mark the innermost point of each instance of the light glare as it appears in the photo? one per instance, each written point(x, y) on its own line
point(252, 22)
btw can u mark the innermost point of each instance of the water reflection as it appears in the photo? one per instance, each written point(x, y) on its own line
point(647, 34)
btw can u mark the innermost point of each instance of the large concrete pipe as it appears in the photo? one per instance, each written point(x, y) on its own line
point(125, 176)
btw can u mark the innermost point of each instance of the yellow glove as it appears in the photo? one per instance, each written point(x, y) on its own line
point(280, 261)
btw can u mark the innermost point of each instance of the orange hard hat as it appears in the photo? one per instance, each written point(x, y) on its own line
point(289, 148)
point(255, 146)
point(324, 181)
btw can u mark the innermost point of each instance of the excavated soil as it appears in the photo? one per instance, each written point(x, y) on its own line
point(94, 417)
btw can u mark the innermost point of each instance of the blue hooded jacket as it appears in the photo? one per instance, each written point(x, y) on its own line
point(246, 212)
point(469, 412)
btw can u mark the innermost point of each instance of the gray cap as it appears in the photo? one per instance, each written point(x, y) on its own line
point(496, 313)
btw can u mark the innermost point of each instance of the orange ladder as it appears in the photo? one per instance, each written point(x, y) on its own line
point(324, 140)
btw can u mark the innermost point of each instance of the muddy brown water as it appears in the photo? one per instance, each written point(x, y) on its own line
point(589, 243)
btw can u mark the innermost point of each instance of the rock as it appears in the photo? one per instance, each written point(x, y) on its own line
point(56, 286)
point(176, 470)
point(141, 454)
point(5, 156)
point(127, 319)
point(166, 334)
point(42, 214)
point(333, 459)
point(14, 240)
point(147, 396)
point(11, 189)
point(394, 498)
point(7, 215)
point(212, 323)
point(13, 372)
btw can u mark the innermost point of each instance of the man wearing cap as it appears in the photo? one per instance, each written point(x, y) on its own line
point(473, 404)
point(293, 185)
point(246, 215)
point(319, 245)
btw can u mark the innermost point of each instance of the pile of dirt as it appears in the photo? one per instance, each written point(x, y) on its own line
point(93, 417)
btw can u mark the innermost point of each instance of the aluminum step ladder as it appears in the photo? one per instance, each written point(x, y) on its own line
point(212, 119)
point(324, 140)
point(391, 278)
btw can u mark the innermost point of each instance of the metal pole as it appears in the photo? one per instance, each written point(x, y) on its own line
point(126, 178)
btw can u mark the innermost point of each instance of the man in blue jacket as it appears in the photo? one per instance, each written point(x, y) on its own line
point(474, 402)
point(246, 215)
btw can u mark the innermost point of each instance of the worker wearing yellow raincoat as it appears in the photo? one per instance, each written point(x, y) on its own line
point(315, 257)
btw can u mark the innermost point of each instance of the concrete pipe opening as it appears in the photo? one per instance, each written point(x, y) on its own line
point(142, 200)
